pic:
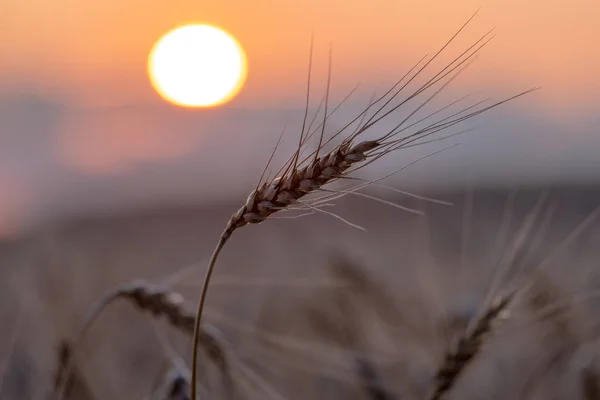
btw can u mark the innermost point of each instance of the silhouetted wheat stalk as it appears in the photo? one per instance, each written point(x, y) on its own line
point(301, 177)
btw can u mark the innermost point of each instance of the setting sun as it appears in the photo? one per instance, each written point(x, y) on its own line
point(197, 66)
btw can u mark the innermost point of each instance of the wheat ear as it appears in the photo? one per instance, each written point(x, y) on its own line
point(159, 301)
point(465, 348)
point(470, 342)
point(300, 177)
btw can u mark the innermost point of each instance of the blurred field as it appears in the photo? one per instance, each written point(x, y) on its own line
point(296, 314)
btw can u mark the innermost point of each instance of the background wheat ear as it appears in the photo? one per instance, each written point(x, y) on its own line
point(564, 328)
point(466, 347)
point(160, 302)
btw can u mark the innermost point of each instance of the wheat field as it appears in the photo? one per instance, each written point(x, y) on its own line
point(310, 308)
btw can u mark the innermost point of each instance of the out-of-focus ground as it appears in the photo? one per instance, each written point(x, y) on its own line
point(277, 296)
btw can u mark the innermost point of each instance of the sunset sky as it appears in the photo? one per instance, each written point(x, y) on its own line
point(79, 118)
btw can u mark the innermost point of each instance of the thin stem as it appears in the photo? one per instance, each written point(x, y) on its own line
point(67, 363)
point(203, 291)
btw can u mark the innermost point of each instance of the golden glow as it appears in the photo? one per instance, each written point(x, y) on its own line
point(71, 56)
point(197, 66)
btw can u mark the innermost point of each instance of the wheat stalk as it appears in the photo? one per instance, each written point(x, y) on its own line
point(159, 301)
point(301, 177)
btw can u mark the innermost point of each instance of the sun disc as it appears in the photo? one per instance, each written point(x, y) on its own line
point(197, 66)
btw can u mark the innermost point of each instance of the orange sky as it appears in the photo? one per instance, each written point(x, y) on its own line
point(94, 52)
point(64, 61)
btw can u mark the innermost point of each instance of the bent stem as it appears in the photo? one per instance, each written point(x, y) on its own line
point(196, 339)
